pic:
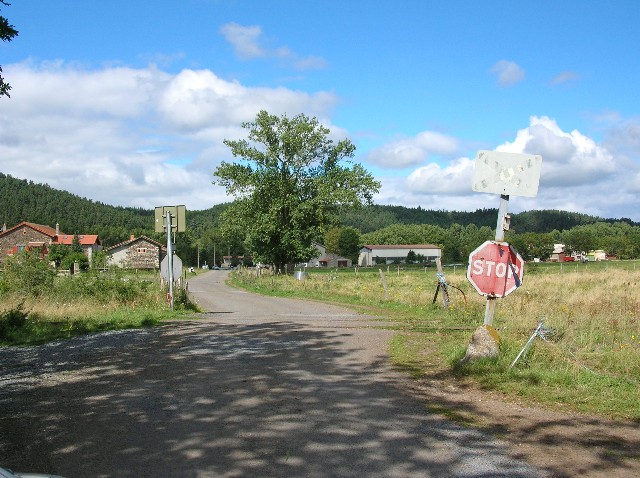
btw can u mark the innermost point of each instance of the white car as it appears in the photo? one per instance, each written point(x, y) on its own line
point(7, 473)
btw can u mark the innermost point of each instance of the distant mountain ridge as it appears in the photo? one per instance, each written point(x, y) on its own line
point(24, 200)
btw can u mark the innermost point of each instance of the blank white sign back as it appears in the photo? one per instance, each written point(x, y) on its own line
point(507, 173)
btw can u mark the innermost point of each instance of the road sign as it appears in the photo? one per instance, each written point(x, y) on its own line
point(495, 269)
point(176, 264)
point(178, 221)
point(507, 173)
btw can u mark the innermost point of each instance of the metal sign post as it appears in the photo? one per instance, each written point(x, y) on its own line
point(503, 222)
point(505, 174)
point(169, 258)
point(170, 219)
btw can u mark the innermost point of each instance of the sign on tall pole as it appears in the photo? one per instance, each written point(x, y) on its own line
point(505, 174)
point(170, 219)
point(169, 258)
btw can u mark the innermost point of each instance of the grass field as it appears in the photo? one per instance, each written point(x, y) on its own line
point(590, 361)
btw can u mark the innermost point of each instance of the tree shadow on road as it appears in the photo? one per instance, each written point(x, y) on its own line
point(218, 399)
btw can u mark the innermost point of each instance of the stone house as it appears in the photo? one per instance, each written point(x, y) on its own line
point(327, 259)
point(136, 253)
point(27, 236)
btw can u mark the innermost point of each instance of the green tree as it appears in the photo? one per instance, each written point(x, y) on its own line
point(99, 260)
point(580, 238)
point(532, 244)
point(70, 259)
point(344, 241)
point(331, 239)
point(7, 33)
point(289, 185)
point(57, 252)
point(26, 274)
point(411, 257)
point(349, 243)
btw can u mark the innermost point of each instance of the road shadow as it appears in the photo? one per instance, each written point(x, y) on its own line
point(204, 399)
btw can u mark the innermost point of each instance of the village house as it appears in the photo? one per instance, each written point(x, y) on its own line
point(388, 254)
point(136, 253)
point(27, 236)
point(327, 259)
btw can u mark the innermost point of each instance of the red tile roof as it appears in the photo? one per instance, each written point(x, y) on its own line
point(46, 230)
point(83, 239)
point(60, 237)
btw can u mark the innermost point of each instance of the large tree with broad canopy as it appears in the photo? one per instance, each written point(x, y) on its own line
point(289, 184)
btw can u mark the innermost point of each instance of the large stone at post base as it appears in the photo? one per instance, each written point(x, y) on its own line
point(485, 343)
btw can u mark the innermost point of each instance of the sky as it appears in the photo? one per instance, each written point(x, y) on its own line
point(128, 102)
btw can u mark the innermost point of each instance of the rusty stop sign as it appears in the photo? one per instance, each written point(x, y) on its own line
point(495, 269)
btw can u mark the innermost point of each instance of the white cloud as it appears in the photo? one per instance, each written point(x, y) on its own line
point(508, 72)
point(144, 137)
point(194, 100)
point(578, 174)
point(247, 42)
point(133, 137)
point(453, 179)
point(565, 77)
point(407, 152)
point(568, 158)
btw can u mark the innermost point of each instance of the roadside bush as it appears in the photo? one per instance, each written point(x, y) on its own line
point(102, 289)
point(11, 321)
point(26, 274)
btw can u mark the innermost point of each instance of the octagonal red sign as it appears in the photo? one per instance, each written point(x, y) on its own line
point(495, 269)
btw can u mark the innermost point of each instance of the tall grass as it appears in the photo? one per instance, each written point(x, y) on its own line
point(80, 304)
point(589, 362)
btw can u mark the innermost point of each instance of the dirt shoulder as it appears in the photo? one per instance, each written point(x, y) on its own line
point(564, 443)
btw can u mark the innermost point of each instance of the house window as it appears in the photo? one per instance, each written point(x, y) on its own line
point(142, 250)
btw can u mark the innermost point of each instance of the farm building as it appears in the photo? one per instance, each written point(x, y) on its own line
point(389, 254)
point(327, 259)
point(27, 236)
point(137, 253)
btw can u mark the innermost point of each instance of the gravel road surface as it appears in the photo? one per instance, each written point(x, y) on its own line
point(254, 387)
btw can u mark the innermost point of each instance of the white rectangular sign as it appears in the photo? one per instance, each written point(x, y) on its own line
point(510, 174)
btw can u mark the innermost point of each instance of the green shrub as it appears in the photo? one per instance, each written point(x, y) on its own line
point(26, 274)
point(11, 320)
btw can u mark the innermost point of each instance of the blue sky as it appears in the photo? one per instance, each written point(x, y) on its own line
point(128, 102)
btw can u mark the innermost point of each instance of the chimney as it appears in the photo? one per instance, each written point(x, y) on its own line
point(132, 237)
point(57, 229)
point(4, 227)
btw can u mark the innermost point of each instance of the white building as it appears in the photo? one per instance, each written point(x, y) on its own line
point(396, 253)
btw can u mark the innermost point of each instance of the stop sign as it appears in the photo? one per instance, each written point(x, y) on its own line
point(495, 269)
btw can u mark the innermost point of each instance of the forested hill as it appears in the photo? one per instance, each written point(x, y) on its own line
point(24, 200)
point(376, 217)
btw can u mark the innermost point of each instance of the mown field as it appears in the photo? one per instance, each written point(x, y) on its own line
point(589, 362)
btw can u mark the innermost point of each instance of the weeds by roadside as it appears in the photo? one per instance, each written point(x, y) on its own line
point(69, 306)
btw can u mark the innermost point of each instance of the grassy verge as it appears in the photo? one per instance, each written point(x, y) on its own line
point(84, 304)
point(589, 363)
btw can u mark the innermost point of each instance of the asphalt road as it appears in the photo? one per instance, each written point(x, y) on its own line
point(255, 387)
